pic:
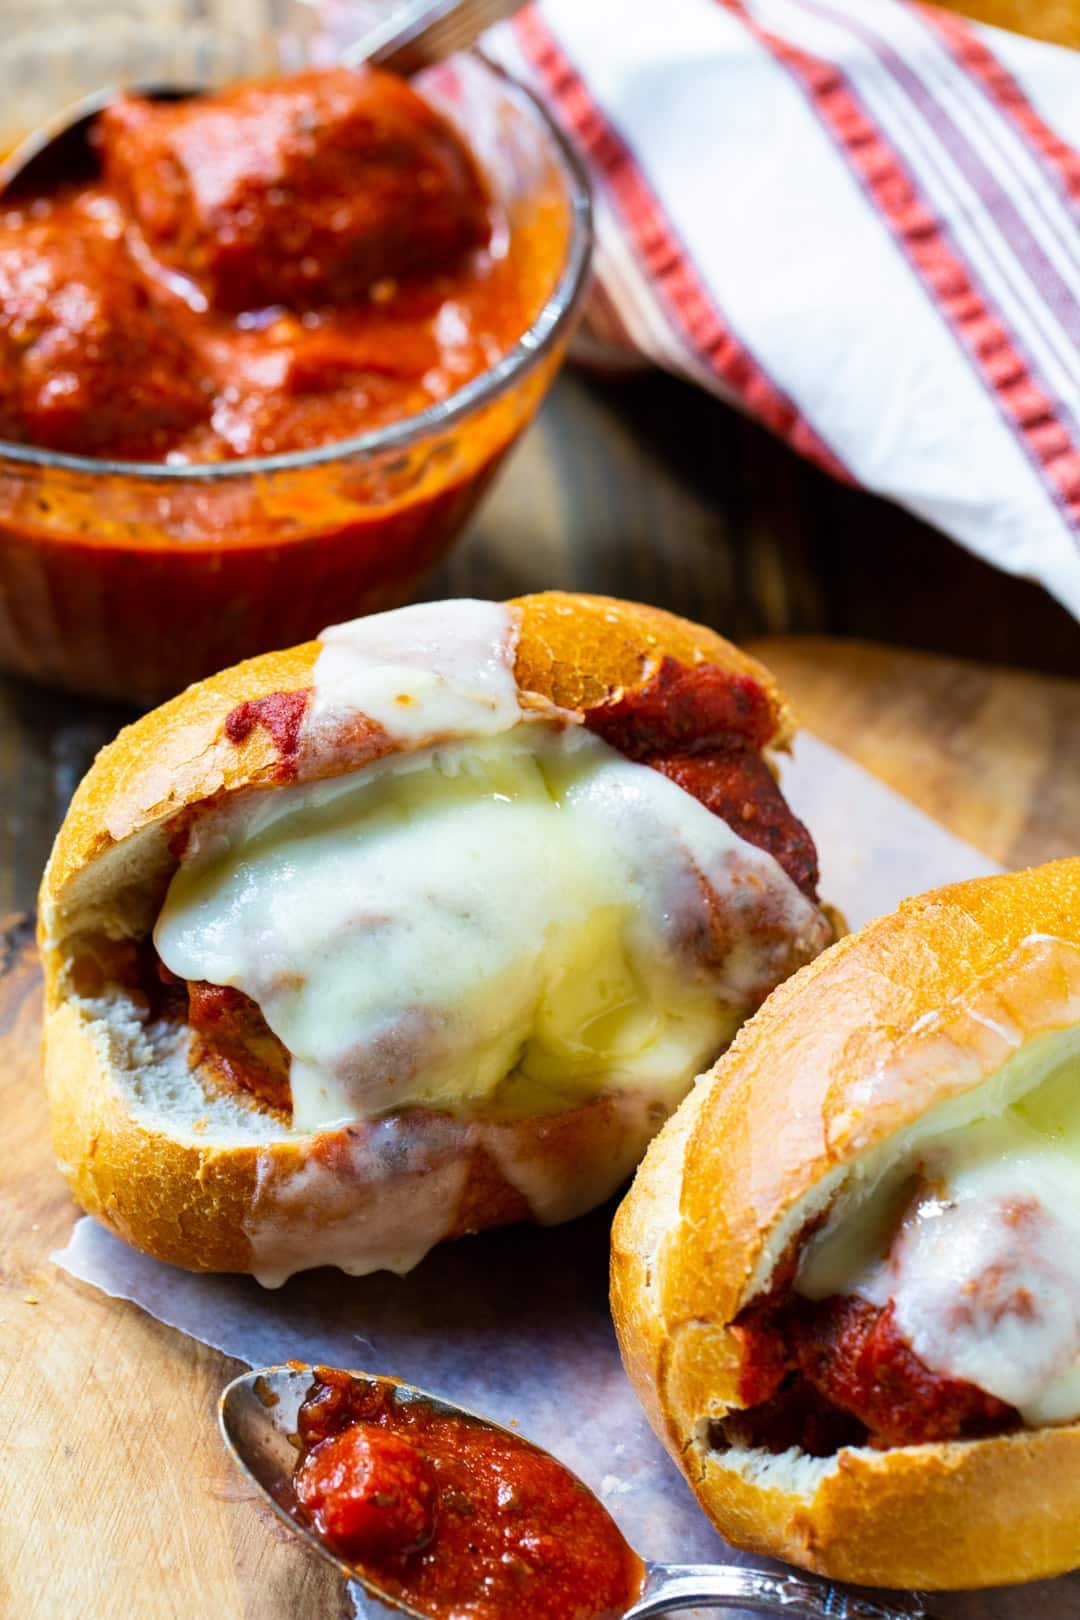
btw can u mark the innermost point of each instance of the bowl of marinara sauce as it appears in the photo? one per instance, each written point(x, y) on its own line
point(259, 365)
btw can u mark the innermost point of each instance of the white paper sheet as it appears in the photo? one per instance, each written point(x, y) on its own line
point(515, 1323)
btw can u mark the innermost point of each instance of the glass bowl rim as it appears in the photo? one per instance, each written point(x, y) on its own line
point(531, 347)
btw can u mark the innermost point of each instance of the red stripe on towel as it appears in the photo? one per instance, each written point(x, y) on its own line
point(972, 54)
point(688, 304)
point(947, 279)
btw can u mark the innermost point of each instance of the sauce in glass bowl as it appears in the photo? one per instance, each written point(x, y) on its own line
point(270, 269)
point(257, 373)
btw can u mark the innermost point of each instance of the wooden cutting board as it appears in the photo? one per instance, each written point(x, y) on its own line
point(1057, 20)
point(116, 1500)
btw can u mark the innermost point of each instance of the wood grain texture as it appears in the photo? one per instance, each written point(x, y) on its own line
point(115, 1496)
point(993, 754)
point(1056, 20)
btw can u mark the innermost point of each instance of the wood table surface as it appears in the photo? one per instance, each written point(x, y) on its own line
point(116, 1499)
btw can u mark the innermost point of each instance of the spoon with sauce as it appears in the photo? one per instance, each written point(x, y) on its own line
point(436, 1512)
point(414, 36)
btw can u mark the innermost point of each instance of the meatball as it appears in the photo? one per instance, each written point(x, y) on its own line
point(371, 1494)
point(234, 1041)
point(87, 361)
point(739, 787)
point(296, 193)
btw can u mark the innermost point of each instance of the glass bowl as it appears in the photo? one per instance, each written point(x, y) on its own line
point(130, 579)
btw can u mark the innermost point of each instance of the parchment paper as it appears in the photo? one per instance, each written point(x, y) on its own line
point(515, 1324)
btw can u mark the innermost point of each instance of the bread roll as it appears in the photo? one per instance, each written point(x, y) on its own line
point(413, 930)
point(846, 1279)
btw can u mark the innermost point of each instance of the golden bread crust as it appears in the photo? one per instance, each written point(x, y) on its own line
point(175, 756)
point(924, 1003)
point(579, 651)
point(974, 1513)
point(180, 1202)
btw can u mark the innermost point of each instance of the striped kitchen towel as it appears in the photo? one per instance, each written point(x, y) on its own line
point(859, 220)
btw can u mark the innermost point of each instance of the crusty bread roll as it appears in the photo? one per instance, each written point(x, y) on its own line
point(964, 1000)
point(215, 1179)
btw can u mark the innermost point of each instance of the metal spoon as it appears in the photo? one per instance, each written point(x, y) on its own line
point(258, 1417)
point(414, 36)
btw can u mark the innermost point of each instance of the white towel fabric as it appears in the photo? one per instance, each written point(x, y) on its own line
point(859, 220)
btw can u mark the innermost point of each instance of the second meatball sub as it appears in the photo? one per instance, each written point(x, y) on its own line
point(847, 1277)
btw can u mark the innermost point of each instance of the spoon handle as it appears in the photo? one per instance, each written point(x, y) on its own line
point(670, 1587)
point(422, 32)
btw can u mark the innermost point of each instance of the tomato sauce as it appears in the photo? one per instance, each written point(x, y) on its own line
point(838, 1371)
point(265, 270)
point(274, 269)
point(454, 1517)
point(303, 193)
point(704, 728)
point(233, 1041)
point(280, 714)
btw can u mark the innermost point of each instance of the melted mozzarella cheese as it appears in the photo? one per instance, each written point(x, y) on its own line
point(393, 1189)
point(433, 669)
point(972, 1229)
point(500, 917)
point(529, 905)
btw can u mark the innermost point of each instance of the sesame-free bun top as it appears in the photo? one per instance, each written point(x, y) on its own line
point(189, 1176)
point(918, 1007)
point(575, 651)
